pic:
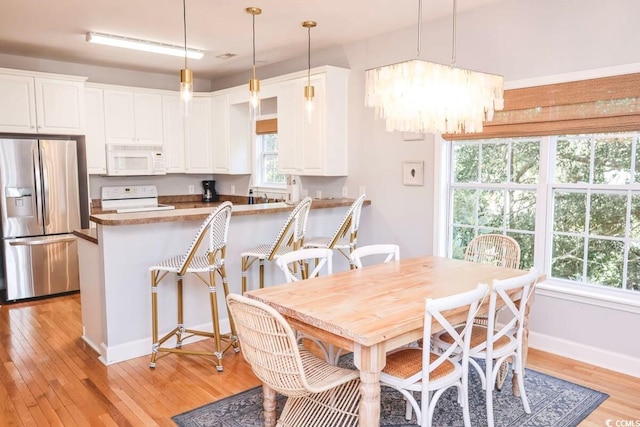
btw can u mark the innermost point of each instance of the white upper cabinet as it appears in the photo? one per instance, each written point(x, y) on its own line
point(231, 133)
point(173, 127)
point(198, 149)
point(316, 147)
point(41, 103)
point(95, 136)
point(133, 117)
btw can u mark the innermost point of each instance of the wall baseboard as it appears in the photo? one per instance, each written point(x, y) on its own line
point(592, 355)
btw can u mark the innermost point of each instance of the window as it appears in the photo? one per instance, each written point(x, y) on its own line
point(572, 202)
point(267, 174)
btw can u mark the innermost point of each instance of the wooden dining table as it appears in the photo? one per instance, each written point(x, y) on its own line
point(371, 311)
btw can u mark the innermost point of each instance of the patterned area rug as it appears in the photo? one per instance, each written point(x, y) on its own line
point(554, 402)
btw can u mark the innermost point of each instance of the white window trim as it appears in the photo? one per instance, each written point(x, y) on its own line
point(272, 191)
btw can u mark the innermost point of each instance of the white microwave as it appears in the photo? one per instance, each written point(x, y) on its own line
point(128, 160)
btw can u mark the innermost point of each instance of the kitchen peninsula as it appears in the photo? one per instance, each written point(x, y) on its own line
point(115, 260)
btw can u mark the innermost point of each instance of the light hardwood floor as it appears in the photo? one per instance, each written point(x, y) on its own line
point(49, 376)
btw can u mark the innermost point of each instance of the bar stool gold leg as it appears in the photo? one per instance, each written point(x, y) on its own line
point(225, 285)
point(154, 319)
point(261, 263)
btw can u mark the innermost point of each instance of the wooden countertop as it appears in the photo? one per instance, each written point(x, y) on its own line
point(186, 211)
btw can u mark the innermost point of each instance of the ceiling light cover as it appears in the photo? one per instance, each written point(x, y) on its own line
point(143, 45)
point(421, 96)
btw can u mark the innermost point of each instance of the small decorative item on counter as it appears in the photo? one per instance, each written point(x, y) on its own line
point(251, 201)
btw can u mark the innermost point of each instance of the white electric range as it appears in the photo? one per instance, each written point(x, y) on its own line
point(134, 198)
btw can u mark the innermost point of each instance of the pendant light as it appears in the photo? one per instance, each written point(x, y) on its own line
point(186, 75)
point(309, 90)
point(254, 83)
point(421, 96)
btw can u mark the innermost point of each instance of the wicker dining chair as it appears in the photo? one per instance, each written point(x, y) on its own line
point(420, 370)
point(204, 267)
point(318, 393)
point(390, 252)
point(345, 238)
point(289, 238)
point(500, 250)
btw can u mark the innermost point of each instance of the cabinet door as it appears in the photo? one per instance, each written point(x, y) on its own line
point(148, 118)
point(59, 106)
point(198, 141)
point(289, 102)
point(311, 134)
point(17, 104)
point(119, 119)
point(173, 130)
point(220, 133)
point(95, 136)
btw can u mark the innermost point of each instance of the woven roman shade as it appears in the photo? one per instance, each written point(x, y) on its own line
point(608, 104)
point(266, 126)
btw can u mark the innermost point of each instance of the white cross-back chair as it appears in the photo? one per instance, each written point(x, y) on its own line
point(419, 370)
point(295, 265)
point(390, 252)
point(204, 266)
point(497, 344)
point(345, 237)
point(318, 393)
point(289, 238)
point(494, 249)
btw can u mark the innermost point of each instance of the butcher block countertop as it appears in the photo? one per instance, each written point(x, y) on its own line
point(188, 211)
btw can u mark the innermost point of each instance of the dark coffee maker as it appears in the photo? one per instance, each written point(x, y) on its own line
point(209, 191)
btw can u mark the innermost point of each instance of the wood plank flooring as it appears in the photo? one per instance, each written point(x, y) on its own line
point(49, 376)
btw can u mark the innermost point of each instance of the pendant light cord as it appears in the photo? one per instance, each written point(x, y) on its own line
point(419, 26)
point(184, 23)
point(253, 16)
point(453, 48)
point(309, 56)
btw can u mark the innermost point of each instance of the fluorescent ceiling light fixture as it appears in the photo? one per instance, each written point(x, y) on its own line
point(144, 45)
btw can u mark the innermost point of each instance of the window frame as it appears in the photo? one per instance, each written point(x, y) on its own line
point(259, 186)
point(599, 295)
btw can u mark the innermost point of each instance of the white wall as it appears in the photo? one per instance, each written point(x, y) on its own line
point(519, 39)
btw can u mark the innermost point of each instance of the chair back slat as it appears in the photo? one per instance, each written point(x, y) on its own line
point(389, 251)
point(220, 217)
point(514, 293)
point(495, 249)
point(435, 313)
point(269, 345)
point(295, 264)
point(293, 230)
point(349, 224)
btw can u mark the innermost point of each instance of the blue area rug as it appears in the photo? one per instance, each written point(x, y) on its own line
point(554, 402)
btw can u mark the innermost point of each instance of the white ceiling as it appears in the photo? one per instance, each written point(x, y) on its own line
point(56, 29)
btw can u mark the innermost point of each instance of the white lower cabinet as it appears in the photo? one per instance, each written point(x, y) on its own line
point(41, 103)
point(198, 148)
point(315, 147)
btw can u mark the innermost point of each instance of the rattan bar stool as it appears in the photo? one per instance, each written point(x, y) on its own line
point(290, 238)
point(345, 238)
point(204, 267)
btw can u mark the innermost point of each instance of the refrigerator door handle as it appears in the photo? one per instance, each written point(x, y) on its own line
point(45, 188)
point(36, 178)
point(38, 242)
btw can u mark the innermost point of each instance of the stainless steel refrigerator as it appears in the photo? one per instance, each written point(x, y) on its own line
point(40, 204)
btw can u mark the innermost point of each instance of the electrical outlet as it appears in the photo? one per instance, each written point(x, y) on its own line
point(345, 194)
point(233, 189)
point(192, 189)
point(362, 190)
point(318, 194)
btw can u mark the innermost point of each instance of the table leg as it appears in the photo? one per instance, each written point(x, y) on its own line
point(370, 361)
point(525, 344)
point(269, 403)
